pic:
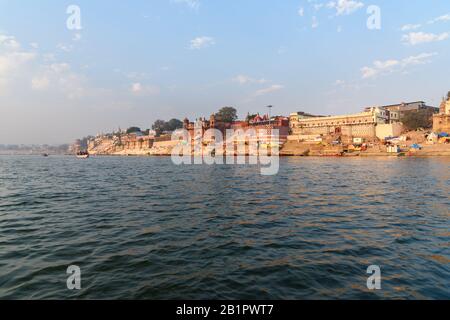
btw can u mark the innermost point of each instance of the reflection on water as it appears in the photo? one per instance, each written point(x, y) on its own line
point(144, 228)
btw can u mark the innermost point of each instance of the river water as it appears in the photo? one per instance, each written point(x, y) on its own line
point(143, 228)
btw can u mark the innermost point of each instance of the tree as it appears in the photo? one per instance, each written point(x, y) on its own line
point(417, 119)
point(159, 126)
point(227, 114)
point(174, 124)
point(133, 130)
point(250, 117)
point(448, 95)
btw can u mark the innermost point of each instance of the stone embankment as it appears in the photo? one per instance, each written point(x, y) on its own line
point(290, 148)
point(109, 147)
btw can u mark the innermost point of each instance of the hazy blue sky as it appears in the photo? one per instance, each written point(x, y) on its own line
point(136, 61)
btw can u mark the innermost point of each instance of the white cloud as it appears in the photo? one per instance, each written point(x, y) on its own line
point(415, 38)
point(318, 6)
point(40, 83)
point(59, 67)
point(13, 60)
point(193, 4)
point(409, 27)
point(138, 88)
point(59, 78)
point(381, 65)
point(19, 67)
point(301, 12)
point(64, 47)
point(345, 7)
point(243, 79)
point(272, 88)
point(77, 37)
point(136, 76)
point(202, 42)
point(442, 18)
point(9, 42)
point(368, 72)
point(390, 66)
point(49, 57)
point(348, 85)
point(422, 58)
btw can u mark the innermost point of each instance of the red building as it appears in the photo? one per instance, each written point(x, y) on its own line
point(258, 123)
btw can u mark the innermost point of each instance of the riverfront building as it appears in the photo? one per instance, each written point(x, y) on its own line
point(441, 121)
point(405, 107)
point(261, 124)
point(396, 112)
point(361, 125)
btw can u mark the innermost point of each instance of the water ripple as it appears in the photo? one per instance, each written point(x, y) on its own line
point(144, 228)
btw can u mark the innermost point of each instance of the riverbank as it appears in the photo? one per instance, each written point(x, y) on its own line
point(412, 144)
point(345, 155)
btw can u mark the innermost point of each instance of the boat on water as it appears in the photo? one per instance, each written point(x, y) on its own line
point(45, 155)
point(83, 155)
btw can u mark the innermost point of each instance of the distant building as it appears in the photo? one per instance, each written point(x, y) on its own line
point(265, 125)
point(441, 121)
point(296, 116)
point(136, 134)
point(136, 141)
point(152, 133)
point(393, 116)
point(445, 107)
point(397, 111)
point(361, 125)
point(410, 106)
point(201, 125)
point(258, 123)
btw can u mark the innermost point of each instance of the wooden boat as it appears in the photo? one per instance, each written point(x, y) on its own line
point(83, 155)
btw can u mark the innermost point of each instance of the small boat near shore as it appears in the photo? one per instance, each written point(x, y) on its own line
point(83, 155)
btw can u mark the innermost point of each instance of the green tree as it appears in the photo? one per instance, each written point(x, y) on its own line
point(448, 95)
point(250, 117)
point(417, 119)
point(159, 126)
point(174, 124)
point(227, 114)
point(133, 130)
